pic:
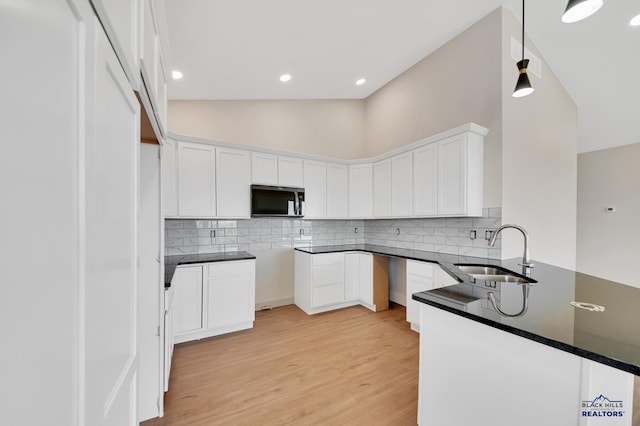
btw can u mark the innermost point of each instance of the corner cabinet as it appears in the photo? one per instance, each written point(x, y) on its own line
point(213, 299)
point(361, 191)
point(329, 281)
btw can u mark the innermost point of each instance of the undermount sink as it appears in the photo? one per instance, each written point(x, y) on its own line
point(494, 273)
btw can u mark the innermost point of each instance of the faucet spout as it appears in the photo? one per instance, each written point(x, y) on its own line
point(526, 257)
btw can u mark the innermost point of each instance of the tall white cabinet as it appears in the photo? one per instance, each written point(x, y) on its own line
point(382, 188)
point(72, 158)
point(425, 181)
point(401, 185)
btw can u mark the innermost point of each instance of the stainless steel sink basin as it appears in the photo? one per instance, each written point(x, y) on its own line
point(494, 273)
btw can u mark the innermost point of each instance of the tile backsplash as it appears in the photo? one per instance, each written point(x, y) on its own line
point(446, 235)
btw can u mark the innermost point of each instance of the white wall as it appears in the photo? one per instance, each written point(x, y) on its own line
point(609, 243)
point(332, 128)
point(539, 160)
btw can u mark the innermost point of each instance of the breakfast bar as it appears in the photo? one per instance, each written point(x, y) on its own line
point(562, 350)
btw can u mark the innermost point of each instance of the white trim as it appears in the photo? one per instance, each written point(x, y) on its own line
point(465, 128)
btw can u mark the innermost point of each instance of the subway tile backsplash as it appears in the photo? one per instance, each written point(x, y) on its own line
point(446, 235)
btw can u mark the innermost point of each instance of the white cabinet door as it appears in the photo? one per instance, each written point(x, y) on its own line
point(196, 180)
point(169, 178)
point(365, 277)
point(290, 172)
point(361, 191)
point(452, 165)
point(401, 185)
point(382, 188)
point(337, 191)
point(419, 278)
point(231, 293)
point(187, 299)
point(327, 279)
point(120, 19)
point(264, 168)
point(351, 276)
point(233, 181)
point(358, 277)
point(315, 189)
point(425, 181)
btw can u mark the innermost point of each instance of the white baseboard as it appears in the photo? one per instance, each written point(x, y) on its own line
point(274, 303)
point(397, 297)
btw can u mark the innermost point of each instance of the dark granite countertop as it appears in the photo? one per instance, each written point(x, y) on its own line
point(611, 337)
point(171, 262)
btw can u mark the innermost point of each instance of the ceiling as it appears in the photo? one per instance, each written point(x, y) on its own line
point(237, 49)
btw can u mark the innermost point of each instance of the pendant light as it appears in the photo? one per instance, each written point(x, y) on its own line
point(577, 10)
point(523, 86)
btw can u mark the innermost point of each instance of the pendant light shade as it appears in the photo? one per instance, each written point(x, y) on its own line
point(523, 86)
point(577, 10)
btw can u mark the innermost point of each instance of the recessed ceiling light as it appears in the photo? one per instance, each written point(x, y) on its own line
point(361, 81)
point(635, 21)
point(285, 77)
point(176, 75)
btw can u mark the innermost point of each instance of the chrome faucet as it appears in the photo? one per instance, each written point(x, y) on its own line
point(526, 258)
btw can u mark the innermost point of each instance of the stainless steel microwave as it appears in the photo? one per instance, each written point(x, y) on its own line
point(276, 201)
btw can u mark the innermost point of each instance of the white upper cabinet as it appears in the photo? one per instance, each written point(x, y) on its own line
point(315, 189)
point(121, 20)
point(382, 188)
point(402, 185)
point(337, 191)
point(460, 160)
point(441, 177)
point(361, 191)
point(169, 168)
point(264, 168)
point(196, 180)
point(233, 182)
point(425, 181)
point(290, 172)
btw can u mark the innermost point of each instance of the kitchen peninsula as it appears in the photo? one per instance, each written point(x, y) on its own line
point(570, 359)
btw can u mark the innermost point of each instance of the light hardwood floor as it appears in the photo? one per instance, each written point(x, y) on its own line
point(346, 367)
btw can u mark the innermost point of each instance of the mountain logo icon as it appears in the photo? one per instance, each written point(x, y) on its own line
point(600, 401)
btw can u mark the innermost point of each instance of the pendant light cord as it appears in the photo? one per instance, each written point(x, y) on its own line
point(523, 30)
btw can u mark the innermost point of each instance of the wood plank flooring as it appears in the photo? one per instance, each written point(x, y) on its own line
point(346, 367)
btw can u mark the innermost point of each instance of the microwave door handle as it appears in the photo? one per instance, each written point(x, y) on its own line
point(295, 204)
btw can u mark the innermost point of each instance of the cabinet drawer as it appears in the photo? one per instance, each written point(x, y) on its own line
point(327, 295)
point(327, 275)
point(327, 259)
point(221, 269)
point(424, 269)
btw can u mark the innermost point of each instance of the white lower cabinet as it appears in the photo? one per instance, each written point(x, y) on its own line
point(324, 282)
point(419, 278)
point(212, 299)
point(423, 276)
point(358, 277)
point(231, 295)
point(187, 300)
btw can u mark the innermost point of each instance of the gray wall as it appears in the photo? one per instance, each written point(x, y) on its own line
point(609, 243)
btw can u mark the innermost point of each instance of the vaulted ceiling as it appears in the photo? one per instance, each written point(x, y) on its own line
point(237, 49)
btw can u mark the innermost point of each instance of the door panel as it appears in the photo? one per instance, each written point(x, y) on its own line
point(110, 296)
